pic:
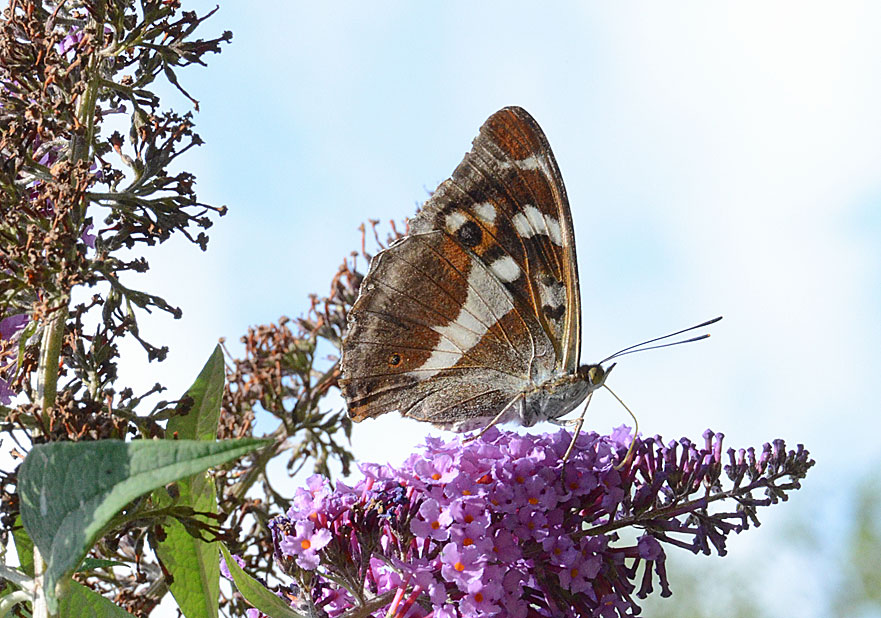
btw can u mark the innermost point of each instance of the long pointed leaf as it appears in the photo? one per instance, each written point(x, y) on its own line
point(200, 423)
point(71, 490)
point(193, 563)
point(256, 593)
point(24, 547)
point(82, 601)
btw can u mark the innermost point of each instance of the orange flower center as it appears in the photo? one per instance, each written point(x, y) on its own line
point(466, 542)
point(435, 525)
point(478, 597)
point(305, 544)
point(436, 476)
point(459, 567)
point(533, 501)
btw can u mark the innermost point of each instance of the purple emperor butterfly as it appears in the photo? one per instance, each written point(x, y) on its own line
point(475, 317)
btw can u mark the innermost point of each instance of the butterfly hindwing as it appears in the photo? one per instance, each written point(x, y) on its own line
point(435, 335)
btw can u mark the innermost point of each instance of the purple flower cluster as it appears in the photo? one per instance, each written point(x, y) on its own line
point(9, 332)
point(502, 527)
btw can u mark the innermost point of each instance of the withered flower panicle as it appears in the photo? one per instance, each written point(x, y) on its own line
point(78, 204)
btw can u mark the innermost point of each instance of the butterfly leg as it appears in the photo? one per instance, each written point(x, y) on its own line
point(578, 422)
point(569, 422)
point(626, 459)
point(495, 419)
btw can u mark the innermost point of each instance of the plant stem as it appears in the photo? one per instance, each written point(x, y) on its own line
point(683, 507)
point(53, 334)
point(50, 352)
point(41, 609)
point(47, 390)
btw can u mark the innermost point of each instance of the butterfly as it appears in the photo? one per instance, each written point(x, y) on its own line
point(474, 317)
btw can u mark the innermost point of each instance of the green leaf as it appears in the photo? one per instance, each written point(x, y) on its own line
point(193, 563)
point(93, 564)
point(256, 593)
point(70, 491)
point(299, 357)
point(24, 547)
point(200, 423)
point(82, 601)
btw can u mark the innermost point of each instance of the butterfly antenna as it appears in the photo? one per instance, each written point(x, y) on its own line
point(633, 348)
point(655, 347)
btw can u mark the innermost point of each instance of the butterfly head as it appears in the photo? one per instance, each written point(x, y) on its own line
point(595, 375)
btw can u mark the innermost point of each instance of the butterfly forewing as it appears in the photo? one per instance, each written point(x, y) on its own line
point(480, 303)
point(507, 204)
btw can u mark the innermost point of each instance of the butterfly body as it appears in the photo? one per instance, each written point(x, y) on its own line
point(476, 314)
point(558, 397)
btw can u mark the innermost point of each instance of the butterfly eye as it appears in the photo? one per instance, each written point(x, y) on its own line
point(596, 375)
point(394, 359)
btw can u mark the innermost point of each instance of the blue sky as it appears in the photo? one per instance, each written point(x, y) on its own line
point(718, 160)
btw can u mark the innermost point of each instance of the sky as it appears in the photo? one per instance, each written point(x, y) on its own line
point(719, 160)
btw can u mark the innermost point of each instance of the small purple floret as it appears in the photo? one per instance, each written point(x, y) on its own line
point(224, 569)
point(87, 237)
point(12, 324)
point(6, 393)
point(649, 548)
